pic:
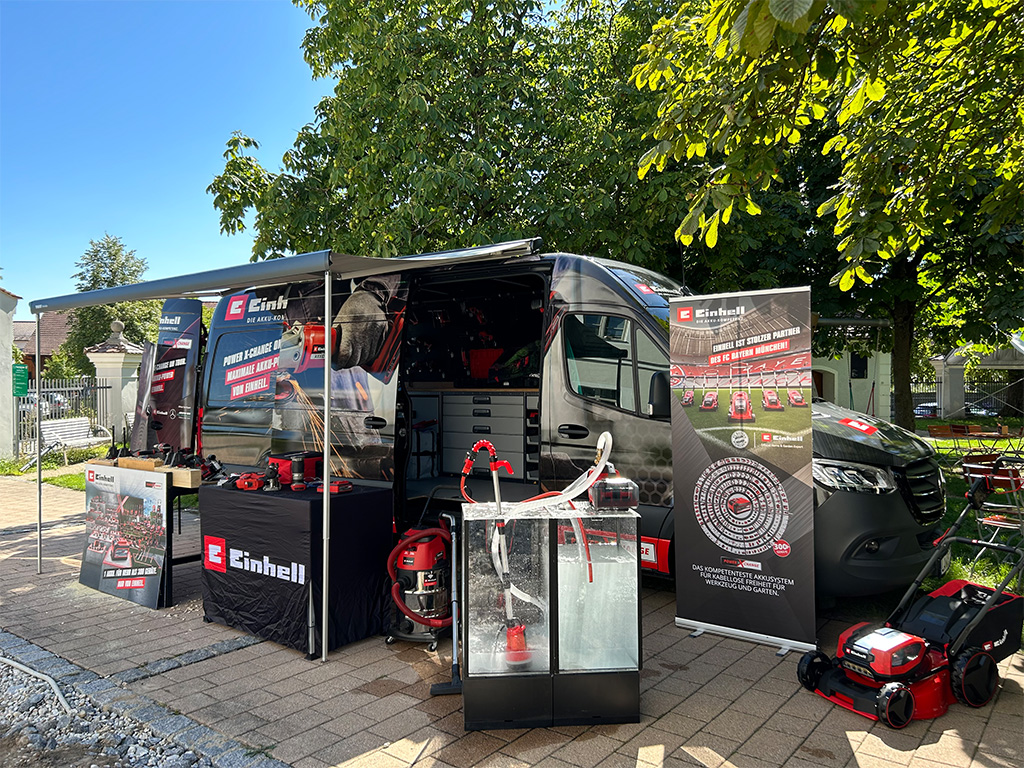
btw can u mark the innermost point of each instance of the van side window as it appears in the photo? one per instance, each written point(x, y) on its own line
point(599, 356)
point(649, 360)
point(243, 366)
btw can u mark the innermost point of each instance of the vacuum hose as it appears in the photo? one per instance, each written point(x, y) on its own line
point(396, 587)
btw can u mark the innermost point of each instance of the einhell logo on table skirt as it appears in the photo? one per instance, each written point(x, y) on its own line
point(256, 570)
point(218, 557)
point(742, 465)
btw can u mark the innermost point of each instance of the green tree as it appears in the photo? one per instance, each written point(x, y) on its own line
point(61, 365)
point(454, 125)
point(107, 264)
point(921, 103)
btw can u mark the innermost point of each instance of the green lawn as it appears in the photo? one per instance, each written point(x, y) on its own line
point(75, 481)
point(987, 570)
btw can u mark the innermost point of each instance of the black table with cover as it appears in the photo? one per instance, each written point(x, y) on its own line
point(262, 563)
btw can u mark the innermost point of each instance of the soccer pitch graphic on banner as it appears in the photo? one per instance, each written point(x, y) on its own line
point(741, 441)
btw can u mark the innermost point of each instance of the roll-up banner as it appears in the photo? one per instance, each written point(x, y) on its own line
point(741, 439)
point(126, 533)
point(172, 405)
point(141, 436)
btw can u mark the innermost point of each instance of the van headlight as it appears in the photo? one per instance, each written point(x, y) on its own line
point(860, 478)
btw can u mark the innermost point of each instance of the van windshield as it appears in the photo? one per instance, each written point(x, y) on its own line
point(654, 291)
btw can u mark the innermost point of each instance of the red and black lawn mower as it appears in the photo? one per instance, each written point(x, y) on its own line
point(933, 651)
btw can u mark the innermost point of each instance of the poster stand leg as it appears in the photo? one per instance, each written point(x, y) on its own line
point(166, 599)
point(311, 627)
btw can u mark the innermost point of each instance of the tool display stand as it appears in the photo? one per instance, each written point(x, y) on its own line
point(576, 598)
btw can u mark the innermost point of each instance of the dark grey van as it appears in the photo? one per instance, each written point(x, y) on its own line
point(538, 354)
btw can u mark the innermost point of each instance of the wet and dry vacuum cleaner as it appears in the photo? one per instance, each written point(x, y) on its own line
point(419, 566)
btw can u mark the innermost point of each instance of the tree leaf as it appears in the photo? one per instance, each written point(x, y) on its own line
point(854, 104)
point(761, 30)
point(825, 63)
point(739, 28)
point(836, 142)
point(863, 275)
point(875, 90)
point(829, 205)
point(711, 233)
point(790, 11)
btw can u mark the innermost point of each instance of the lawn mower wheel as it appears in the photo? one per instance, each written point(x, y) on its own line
point(895, 705)
point(974, 677)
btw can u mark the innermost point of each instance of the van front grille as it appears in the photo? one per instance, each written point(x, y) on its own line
point(924, 489)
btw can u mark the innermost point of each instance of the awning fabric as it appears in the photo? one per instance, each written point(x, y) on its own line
point(306, 266)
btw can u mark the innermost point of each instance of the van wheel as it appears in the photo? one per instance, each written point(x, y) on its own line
point(811, 667)
point(895, 705)
point(974, 677)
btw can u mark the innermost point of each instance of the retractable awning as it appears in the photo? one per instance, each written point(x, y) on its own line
point(306, 266)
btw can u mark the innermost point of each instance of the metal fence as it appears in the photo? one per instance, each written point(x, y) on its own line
point(985, 394)
point(60, 399)
point(990, 393)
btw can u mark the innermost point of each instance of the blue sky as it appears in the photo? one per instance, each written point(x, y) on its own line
point(113, 119)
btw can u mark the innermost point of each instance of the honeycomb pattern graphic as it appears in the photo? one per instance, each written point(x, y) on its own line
point(643, 453)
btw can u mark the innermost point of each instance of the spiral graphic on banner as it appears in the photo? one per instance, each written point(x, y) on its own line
point(740, 505)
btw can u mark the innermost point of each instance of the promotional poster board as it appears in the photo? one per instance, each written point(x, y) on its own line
point(172, 391)
point(126, 533)
point(741, 439)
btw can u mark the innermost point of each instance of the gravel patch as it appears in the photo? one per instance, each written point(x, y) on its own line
point(107, 726)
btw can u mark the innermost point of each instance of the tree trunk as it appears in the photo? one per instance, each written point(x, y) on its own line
point(903, 316)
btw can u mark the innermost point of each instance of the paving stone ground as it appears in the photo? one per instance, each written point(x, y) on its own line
point(706, 701)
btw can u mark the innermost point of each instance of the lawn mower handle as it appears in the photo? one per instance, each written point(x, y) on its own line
point(976, 496)
point(940, 550)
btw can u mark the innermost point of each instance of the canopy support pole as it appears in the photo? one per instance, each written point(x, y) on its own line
point(325, 587)
point(39, 451)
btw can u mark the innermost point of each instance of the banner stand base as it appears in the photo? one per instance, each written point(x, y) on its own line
point(785, 645)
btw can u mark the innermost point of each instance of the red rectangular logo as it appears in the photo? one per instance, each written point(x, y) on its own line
point(215, 554)
point(236, 306)
point(90, 475)
point(684, 314)
point(766, 437)
point(860, 426)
